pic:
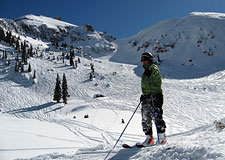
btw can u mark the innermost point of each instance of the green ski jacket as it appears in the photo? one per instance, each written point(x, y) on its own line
point(155, 80)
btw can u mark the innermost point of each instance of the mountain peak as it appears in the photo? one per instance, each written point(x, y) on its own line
point(209, 14)
point(31, 19)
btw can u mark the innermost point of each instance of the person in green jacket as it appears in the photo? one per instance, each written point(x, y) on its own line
point(152, 100)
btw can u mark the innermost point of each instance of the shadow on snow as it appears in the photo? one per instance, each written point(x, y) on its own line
point(33, 108)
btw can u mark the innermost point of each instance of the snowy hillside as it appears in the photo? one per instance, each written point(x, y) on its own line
point(33, 126)
point(192, 45)
point(59, 33)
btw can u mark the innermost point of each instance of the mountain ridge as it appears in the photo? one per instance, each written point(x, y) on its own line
point(194, 43)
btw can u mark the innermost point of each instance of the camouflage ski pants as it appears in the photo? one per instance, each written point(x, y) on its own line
point(147, 112)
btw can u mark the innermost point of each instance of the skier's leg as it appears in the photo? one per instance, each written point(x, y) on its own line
point(147, 121)
point(158, 102)
point(161, 125)
point(146, 116)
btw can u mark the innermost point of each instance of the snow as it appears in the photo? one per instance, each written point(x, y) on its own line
point(40, 20)
point(29, 137)
point(34, 127)
point(209, 14)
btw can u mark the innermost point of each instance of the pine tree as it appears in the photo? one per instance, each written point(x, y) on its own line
point(23, 48)
point(57, 45)
point(34, 76)
point(58, 91)
point(17, 45)
point(22, 68)
point(8, 37)
point(67, 56)
point(6, 55)
point(64, 89)
point(71, 61)
point(92, 68)
point(26, 57)
point(91, 76)
point(16, 67)
point(72, 54)
point(2, 34)
point(63, 54)
point(31, 51)
point(29, 68)
point(17, 58)
point(8, 62)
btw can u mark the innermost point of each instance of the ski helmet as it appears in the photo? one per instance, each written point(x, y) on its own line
point(147, 56)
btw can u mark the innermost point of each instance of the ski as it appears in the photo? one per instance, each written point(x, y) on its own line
point(140, 145)
point(137, 145)
point(127, 146)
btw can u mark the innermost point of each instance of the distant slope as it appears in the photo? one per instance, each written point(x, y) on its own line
point(194, 45)
point(57, 33)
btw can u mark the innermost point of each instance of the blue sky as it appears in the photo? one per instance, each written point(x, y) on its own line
point(121, 18)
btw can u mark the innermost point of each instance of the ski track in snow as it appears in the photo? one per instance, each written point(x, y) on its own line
point(188, 105)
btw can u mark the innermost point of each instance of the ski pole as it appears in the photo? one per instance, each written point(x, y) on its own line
point(123, 131)
point(149, 80)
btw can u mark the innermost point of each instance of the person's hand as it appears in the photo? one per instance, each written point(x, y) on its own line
point(148, 72)
point(142, 98)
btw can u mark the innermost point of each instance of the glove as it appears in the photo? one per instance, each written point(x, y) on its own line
point(142, 98)
point(148, 72)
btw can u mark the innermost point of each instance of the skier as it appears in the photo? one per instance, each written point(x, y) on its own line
point(151, 100)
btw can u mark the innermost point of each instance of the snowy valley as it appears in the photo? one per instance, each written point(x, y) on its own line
point(191, 56)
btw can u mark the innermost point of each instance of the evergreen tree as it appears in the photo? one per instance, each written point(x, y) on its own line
point(12, 41)
point(8, 37)
point(92, 68)
point(22, 68)
point(23, 48)
point(91, 76)
point(29, 68)
point(64, 89)
point(71, 61)
point(8, 62)
point(34, 76)
point(17, 57)
point(26, 57)
point(67, 56)
point(5, 56)
point(63, 54)
point(31, 51)
point(58, 91)
point(57, 44)
point(16, 67)
point(17, 45)
point(2, 35)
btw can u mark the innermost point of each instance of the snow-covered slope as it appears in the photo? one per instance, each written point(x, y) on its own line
point(32, 20)
point(35, 127)
point(192, 45)
point(54, 31)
